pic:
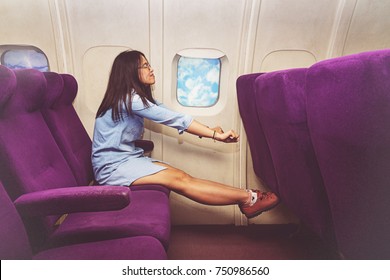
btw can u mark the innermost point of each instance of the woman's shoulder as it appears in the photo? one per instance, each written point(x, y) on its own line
point(136, 101)
point(138, 104)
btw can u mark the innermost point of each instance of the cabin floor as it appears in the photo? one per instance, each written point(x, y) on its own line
point(253, 242)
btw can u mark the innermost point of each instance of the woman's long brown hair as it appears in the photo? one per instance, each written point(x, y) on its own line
point(124, 79)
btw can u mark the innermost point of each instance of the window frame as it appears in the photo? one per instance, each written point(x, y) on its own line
point(223, 80)
point(204, 77)
point(4, 49)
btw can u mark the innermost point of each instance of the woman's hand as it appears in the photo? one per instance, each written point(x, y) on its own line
point(227, 137)
point(217, 129)
point(215, 133)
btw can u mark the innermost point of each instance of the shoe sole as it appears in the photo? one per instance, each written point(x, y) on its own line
point(264, 210)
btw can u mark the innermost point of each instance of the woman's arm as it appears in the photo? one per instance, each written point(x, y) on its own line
point(161, 114)
point(215, 133)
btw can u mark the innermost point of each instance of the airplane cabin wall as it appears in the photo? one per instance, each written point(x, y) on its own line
point(83, 37)
point(19, 27)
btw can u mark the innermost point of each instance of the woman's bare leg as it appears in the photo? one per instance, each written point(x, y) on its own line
point(202, 191)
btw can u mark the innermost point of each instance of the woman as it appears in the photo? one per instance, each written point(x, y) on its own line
point(120, 122)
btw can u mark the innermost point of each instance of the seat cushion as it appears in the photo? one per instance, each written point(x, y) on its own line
point(147, 214)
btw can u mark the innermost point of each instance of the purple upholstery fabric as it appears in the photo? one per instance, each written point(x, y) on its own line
point(66, 127)
point(348, 107)
point(261, 156)
point(132, 248)
point(8, 85)
point(15, 245)
point(14, 240)
point(32, 162)
point(147, 214)
point(29, 157)
point(72, 200)
point(280, 99)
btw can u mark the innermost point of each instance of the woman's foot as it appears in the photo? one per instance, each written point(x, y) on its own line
point(263, 201)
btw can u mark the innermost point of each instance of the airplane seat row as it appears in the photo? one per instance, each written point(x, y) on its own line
point(282, 114)
point(278, 137)
point(46, 170)
point(348, 109)
point(326, 139)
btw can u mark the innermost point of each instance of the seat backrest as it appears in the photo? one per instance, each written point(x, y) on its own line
point(348, 110)
point(261, 156)
point(30, 159)
point(14, 243)
point(7, 85)
point(66, 126)
point(280, 99)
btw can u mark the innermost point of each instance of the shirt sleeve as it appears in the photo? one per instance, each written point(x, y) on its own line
point(161, 114)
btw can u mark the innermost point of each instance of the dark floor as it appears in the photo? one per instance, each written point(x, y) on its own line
point(253, 242)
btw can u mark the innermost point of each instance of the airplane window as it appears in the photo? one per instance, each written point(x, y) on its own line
point(198, 81)
point(21, 58)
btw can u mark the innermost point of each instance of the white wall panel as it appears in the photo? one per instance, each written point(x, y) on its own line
point(301, 27)
point(370, 27)
point(29, 23)
point(203, 25)
point(98, 30)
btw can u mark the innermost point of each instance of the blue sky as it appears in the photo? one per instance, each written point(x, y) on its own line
point(198, 81)
point(17, 59)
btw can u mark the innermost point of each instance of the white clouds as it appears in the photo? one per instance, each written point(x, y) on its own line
point(25, 59)
point(191, 83)
point(198, 81)
point(213, 75)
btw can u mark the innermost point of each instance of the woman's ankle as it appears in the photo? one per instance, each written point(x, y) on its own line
point(252, 197)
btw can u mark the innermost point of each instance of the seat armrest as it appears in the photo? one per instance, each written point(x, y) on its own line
point(146, 145)
point(73, 199)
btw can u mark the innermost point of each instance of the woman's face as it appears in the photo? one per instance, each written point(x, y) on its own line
point(146, 74)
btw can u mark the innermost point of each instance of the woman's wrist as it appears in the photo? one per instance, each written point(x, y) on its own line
point(216, 136)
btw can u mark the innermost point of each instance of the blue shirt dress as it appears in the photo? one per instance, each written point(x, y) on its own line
point(115, 159)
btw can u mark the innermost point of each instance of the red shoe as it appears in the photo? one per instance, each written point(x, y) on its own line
point(265, 201)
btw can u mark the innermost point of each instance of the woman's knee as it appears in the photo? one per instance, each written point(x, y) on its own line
point(180, 179)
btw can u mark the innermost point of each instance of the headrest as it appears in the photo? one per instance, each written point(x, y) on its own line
point(70, 89)
point(283, 90)
point(370, 57)
point(62, 89)
point(55, 87)
point(7, 84)
point(30, 91)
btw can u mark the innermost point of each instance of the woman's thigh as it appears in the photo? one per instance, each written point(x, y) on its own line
point(168, 177)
